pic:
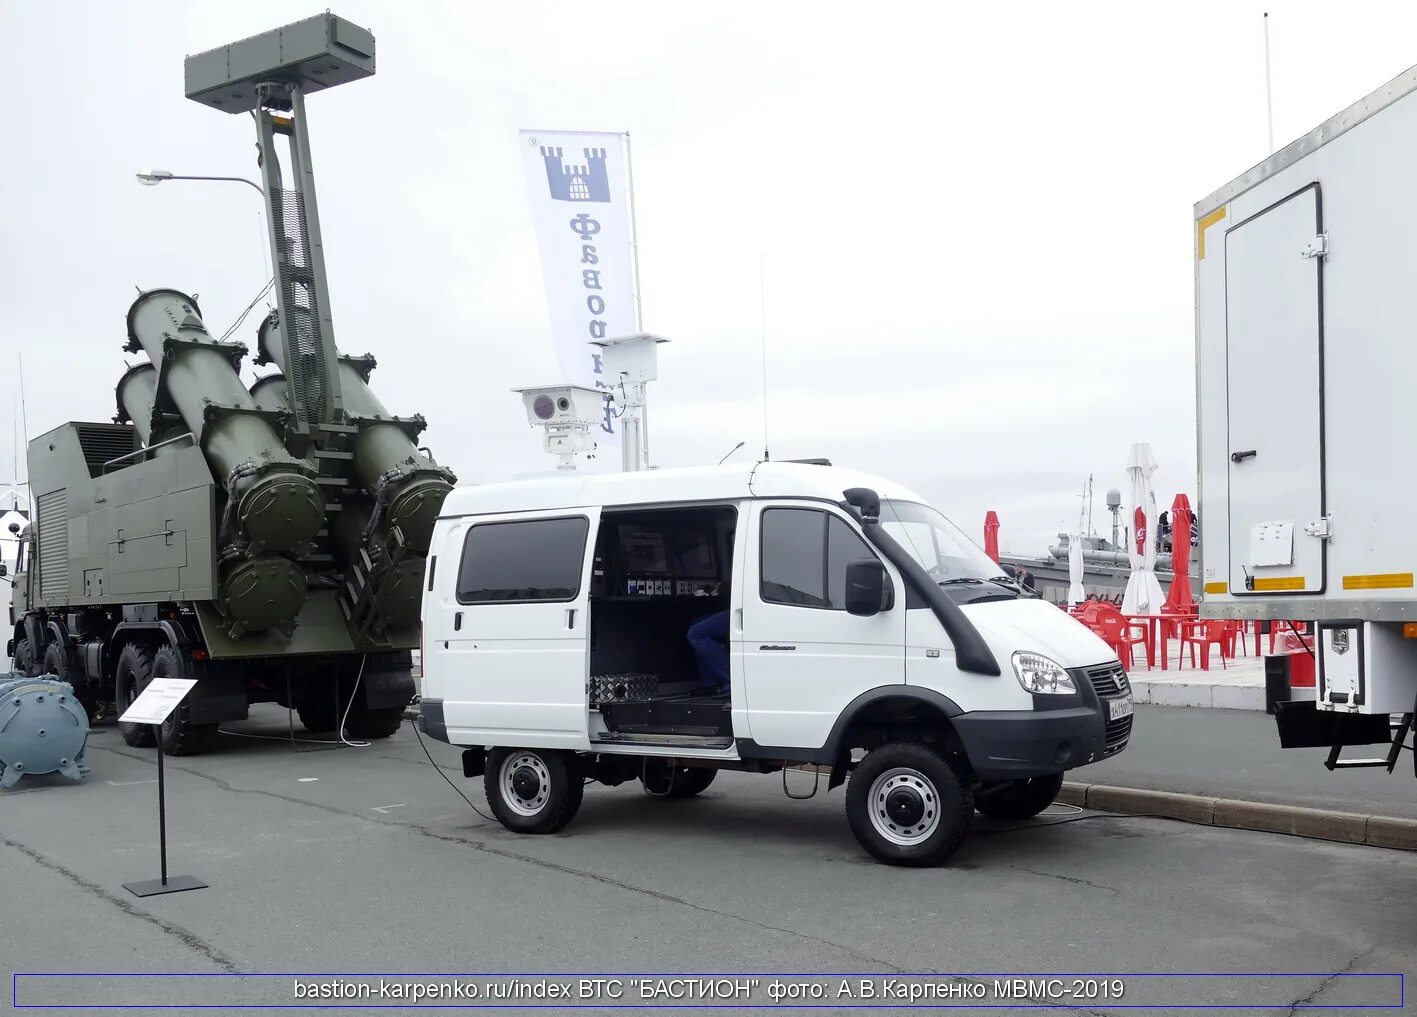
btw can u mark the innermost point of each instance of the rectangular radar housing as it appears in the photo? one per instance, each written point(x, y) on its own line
point(315, 53)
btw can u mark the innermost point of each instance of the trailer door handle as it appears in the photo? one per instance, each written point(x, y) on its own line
point(457, 622)
point(570, 617)
point(1240, 457)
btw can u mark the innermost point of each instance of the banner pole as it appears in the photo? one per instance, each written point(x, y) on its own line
point(634, 237)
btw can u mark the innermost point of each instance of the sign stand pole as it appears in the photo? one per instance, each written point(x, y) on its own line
point(152, 887)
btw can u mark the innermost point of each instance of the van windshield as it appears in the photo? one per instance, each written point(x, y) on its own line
point(936, 543)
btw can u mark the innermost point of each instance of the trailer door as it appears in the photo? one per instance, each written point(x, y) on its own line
point(1274, 365)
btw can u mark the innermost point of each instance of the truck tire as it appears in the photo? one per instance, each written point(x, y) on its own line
point(373, 724)
point(907, 805)
point(533, 790)
point(133, 672)
point(681, 782)
point(320, 715)
point(87, 695)
point(180, 736)
point(23, 661)
point(1018, 799)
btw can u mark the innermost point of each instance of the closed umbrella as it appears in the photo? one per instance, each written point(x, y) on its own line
point(1143, 594)
point(1076, 593)
point(1181, 597)
point(991, 535)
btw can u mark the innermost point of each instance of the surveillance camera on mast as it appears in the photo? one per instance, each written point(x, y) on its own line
point(565, 413)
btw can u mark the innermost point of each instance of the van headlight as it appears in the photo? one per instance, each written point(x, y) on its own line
point(1038, 674)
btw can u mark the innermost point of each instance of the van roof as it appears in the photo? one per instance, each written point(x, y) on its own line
point(657, 487)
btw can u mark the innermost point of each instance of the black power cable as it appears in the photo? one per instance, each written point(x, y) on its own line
point(440, 772)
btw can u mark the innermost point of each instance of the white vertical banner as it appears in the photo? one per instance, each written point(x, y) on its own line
point(581, 207)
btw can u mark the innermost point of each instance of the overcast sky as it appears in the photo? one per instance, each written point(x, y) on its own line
point(975, 219)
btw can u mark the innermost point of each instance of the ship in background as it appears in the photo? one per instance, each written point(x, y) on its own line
point(1106, 566)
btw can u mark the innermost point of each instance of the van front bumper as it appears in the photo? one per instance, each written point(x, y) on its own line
point(1059, 733)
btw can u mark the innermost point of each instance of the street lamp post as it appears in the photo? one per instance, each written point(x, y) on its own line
point(154, 177)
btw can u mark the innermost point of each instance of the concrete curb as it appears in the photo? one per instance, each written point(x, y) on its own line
point(1294, 820)
point(1164, 692)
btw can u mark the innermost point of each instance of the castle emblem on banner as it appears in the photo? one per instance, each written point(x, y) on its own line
point(577, 183)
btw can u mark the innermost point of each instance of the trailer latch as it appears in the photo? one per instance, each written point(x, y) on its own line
point(1321, 528)
point(1316, 248)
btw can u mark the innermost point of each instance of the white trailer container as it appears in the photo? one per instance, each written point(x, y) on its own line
point(1306, 379)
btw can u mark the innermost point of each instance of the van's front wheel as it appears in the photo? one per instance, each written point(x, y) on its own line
point(1019, 799)
point(533, 790)
point(907, 805)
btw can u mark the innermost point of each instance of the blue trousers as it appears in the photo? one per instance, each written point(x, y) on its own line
point(709, 638)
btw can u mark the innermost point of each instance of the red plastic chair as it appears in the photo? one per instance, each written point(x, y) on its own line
point(1278, 628)
point(1119, 633)
point(1206, 634)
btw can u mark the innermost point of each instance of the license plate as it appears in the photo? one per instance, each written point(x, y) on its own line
point(1119, 708)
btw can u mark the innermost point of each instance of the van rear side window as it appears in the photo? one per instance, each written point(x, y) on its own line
point(527, 560)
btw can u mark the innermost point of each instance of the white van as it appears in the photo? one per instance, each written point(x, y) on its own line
point(857, 628)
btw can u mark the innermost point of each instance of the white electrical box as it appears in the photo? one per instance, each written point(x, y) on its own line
point(631, 358)
point(1306, 369)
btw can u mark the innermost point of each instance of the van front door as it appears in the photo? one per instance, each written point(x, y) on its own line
point(803, 658)
point(516, 649)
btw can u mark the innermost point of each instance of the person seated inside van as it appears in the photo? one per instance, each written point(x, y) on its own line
point(709, 638)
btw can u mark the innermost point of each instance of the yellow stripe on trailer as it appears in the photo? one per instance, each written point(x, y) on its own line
point(1382, 581)
point(1220, 587)
point(1204, 224)
point(1279, 584)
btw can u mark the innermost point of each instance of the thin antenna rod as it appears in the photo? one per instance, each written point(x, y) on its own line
point(763, 343)
point(1268, 91)
point(24, 417)
point(634, 234)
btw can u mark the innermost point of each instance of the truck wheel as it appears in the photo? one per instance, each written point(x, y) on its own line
point(662, 781)
point(134, 671)
point(533, 790)
point(181, 737)
point(1018, 799)
point(322, 715)
point(23, 661)
point(366, 723)
point(907, 805)
point(87, 695)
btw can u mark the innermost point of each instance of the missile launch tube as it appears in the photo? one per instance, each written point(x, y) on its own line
point(136, 394)
point(276, 502)
point(408, 485)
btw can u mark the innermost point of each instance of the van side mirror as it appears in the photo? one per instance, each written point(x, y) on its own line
point(866, 588)
point(4, 570)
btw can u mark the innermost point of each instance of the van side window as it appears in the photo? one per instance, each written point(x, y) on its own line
point(804, 557)
point(526, 560)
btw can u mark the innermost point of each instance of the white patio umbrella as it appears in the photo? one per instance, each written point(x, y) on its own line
point(1076, 594)
point(1143, 594)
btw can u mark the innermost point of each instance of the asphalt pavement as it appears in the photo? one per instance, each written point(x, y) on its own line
point(365, 860)
point(1236, 754)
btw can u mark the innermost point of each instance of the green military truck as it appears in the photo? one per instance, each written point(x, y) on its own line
point(270, 543)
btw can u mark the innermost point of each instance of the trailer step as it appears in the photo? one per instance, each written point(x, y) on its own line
point(1389, 762)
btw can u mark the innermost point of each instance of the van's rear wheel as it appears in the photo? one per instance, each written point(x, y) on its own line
point(1018, 799)
point(664, 781)
point(907, 805)
point(533, 790)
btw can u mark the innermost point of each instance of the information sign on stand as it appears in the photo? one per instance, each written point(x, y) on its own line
point(153, 706)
